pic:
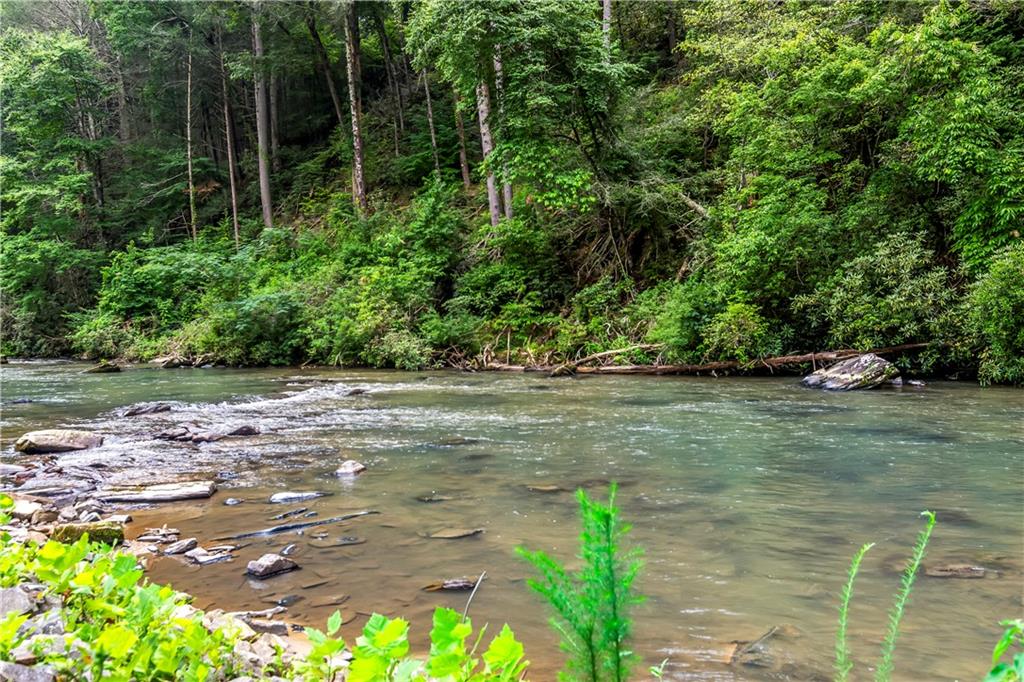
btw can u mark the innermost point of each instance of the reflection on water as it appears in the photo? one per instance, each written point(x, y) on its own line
point(748, 495)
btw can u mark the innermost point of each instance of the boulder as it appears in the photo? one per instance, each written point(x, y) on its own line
point(103, 367)
point(350, 467)
point(57, 440)
point(100, 531)
point(863, 371)
point(24, 508)
point(270, 564)
point(161, 492)
point(15, 600)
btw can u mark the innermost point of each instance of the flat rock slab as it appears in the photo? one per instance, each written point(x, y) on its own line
point(181, 546)
point(12, 672)
point(161, 492)
point(270, 564)
point(100, 531)
point(57, 440)
point(863, 371)
point(285, 497)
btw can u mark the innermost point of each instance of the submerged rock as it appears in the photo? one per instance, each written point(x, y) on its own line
point(103, 367)
point(285, 497)
point(145, 408)
point(350, 467)
point(956, 571)
point(57, 440)
point(863, 371)
point(455, 533)
point(270, 564)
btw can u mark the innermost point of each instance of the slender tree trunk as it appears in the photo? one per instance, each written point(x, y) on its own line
point(262, 122)
point(275, 143)
point(463, 158)
point(499, 83)
point(430, 121)
point(188, 141)
point(483, 106)
point(229, 136)
point(606, 27)
point(123, 117)
point(211, 148)
point(355, 102)
point(398, 122)
point(325, 66)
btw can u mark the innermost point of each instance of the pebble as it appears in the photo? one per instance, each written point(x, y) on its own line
point(232, 501)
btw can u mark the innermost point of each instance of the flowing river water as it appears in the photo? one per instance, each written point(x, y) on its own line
point(748, 495)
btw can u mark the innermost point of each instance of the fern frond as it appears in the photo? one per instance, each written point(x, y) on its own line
point(843, 662)
point(885, 666)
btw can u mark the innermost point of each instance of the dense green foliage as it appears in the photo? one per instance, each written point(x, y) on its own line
point(731, 179)
point(592, 605)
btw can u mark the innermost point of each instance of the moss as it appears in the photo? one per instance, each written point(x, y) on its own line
point(104, 532)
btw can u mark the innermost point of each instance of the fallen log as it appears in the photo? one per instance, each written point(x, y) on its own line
point(720, 366)
point(286, 527)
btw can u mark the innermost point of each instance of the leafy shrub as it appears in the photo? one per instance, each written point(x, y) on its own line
point(1013, 638)
point(688, 309)
point(593, 604)
point(891, 295)
point(740, 332)
point(996, 313)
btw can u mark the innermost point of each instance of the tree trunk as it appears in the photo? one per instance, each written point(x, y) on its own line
point(673, 36)
point(356, 105)
point(430, 121)
point(463, 158)
point(229, 136)
point(275, 143)
point(325, 66)
point(483, 106)
point(391, 72)
point(262, 122)
point(188, 141)
point(606, 28)
point(499, 83)
point(123, 117)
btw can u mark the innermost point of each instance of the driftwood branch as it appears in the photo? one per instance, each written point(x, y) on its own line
point(779, 361)
point(570, 367)
point(284, 528)
point(697, 208)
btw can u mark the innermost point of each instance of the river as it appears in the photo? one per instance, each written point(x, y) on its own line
point(748, 496)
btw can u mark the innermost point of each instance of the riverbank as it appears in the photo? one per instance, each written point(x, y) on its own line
point(749, 496)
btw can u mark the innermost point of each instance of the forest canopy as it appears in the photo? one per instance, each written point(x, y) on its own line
point(419, 183)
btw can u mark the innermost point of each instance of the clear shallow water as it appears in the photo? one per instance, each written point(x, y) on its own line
point(748, 495)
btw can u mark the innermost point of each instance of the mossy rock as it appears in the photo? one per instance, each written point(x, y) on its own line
point(104, 532)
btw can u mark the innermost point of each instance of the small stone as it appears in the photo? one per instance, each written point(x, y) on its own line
point(67, 514)
point(273, 627)
point(145, 408)
point(270, 564)
point(218, 620)
point(119, 518)
point(181, 546)
point(15, 600)
point(46, 645)
point(246, 430)
point(44, 516)
point(350, 467)
point(232, 501)
point(90, 517)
